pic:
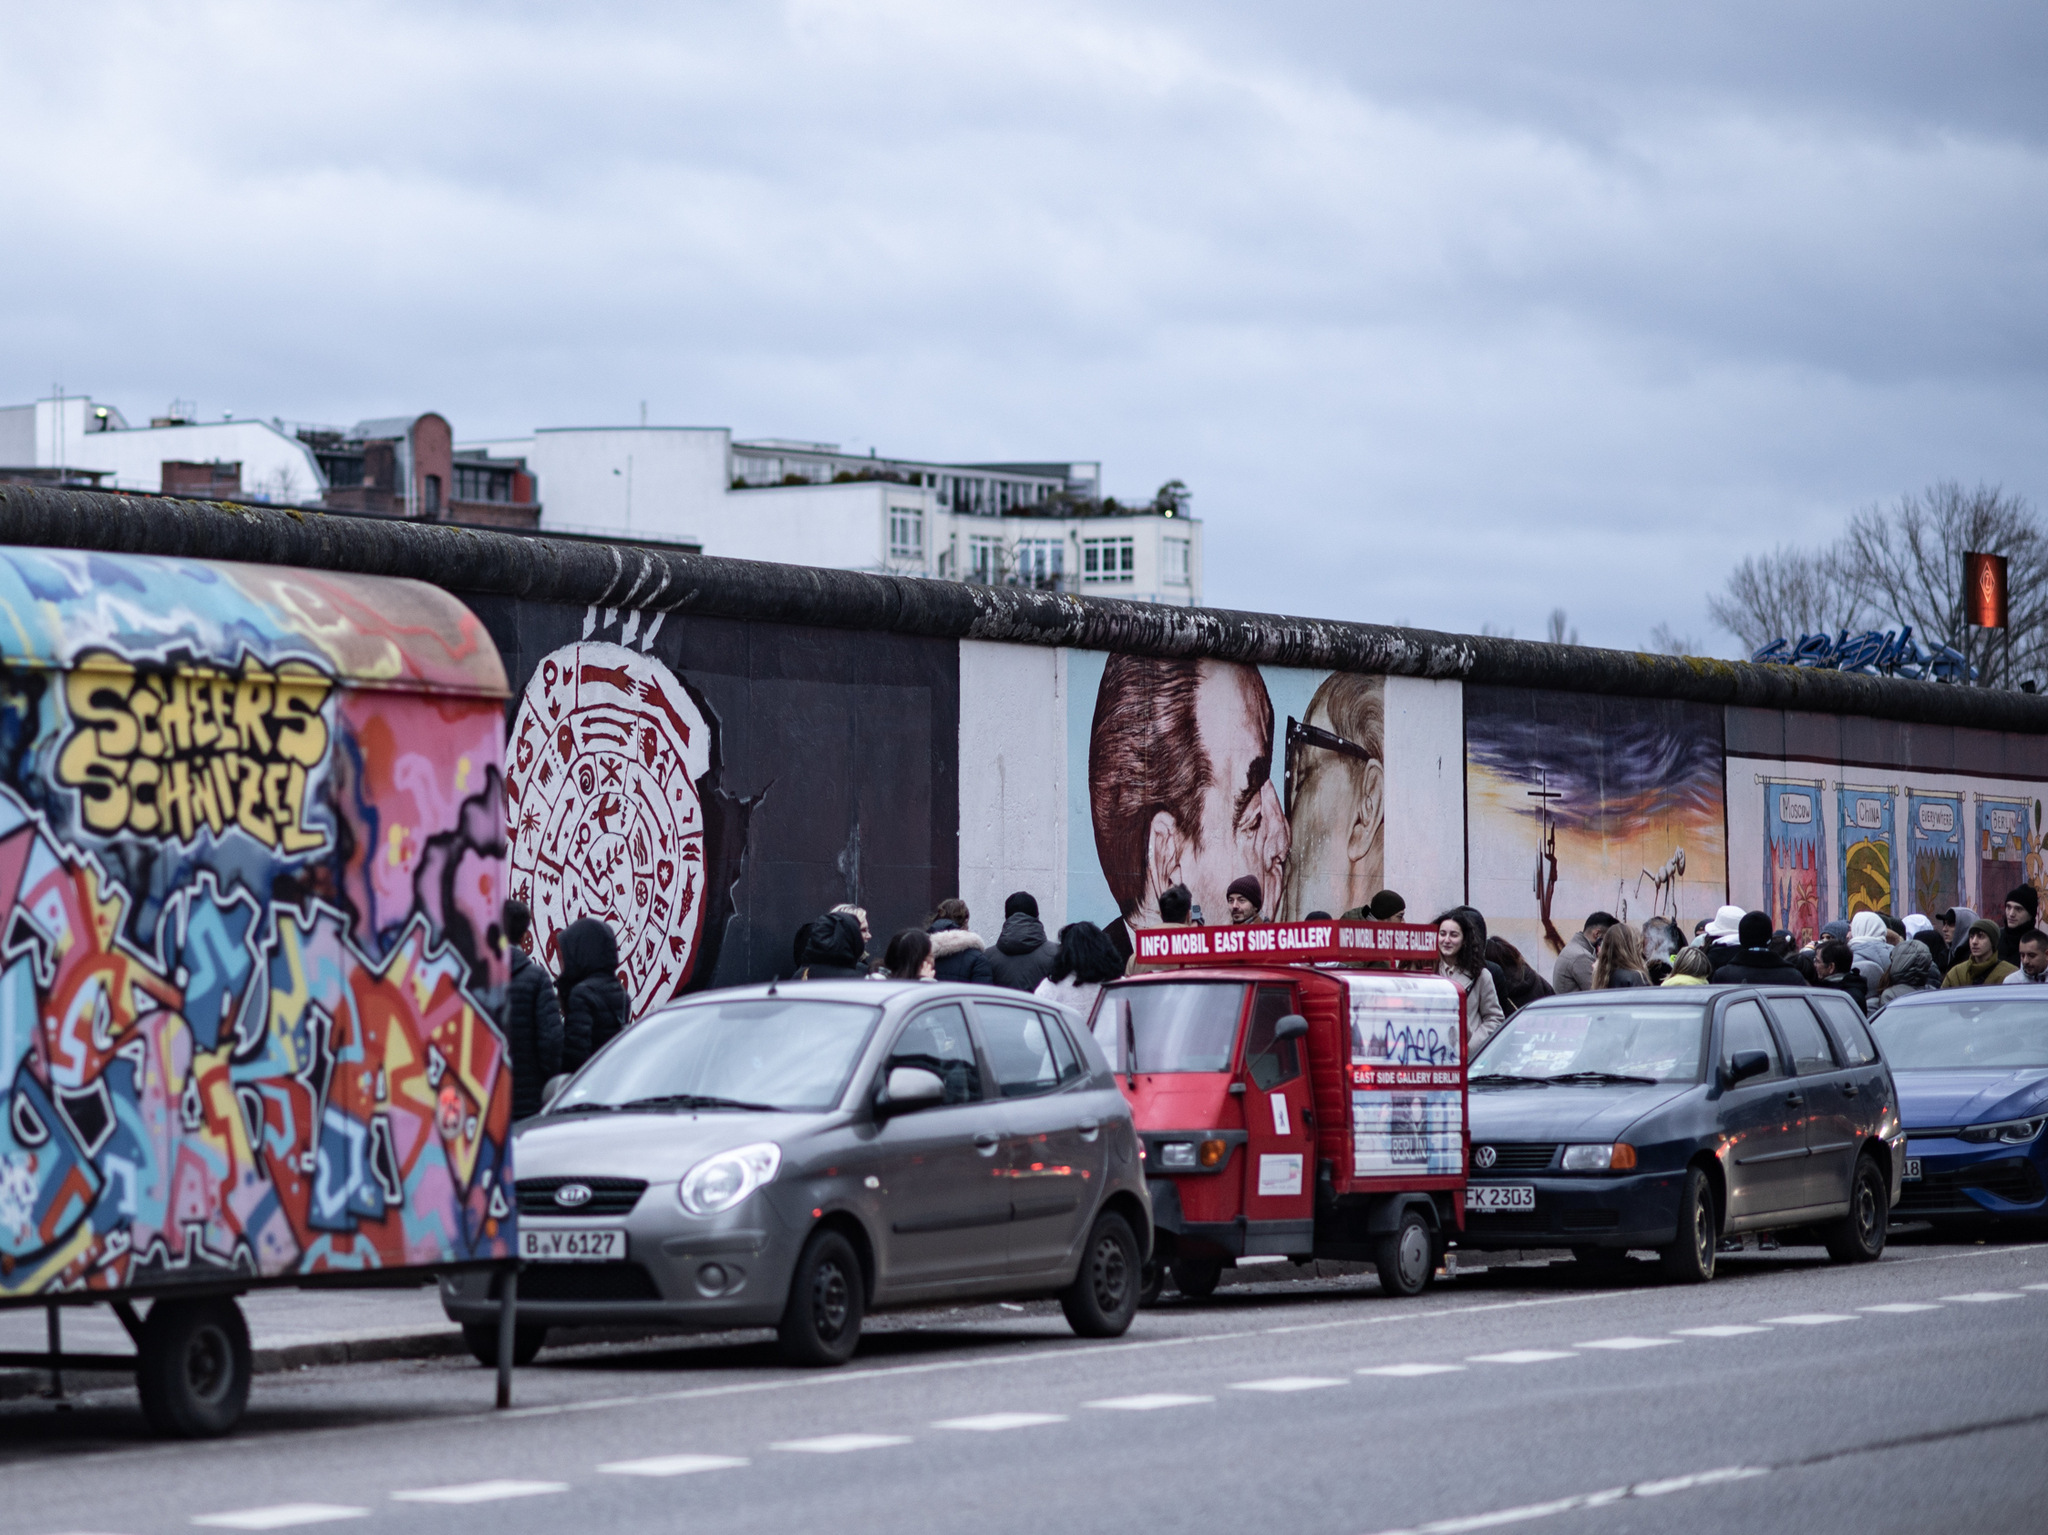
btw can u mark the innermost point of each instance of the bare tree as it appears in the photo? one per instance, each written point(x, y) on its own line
point(1665, 642)
point(1784, 594)
point(1559, 633)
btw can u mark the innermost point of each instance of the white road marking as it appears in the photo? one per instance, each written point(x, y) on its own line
point(280, 1516)
point(480, 1492)
point(996, 1422)
point(1718, 1330)
point(1628, 1343)
point(1287, 1383)
point(1979, 1297)
point(1151, 1402)
point(1601, 1499)
point(1405, 1371)
point(1522, 1356)
point(1809, 1319)
point(842, 1444)
point(2034, 1287)
point(673, 1465)
point(1900, 1307)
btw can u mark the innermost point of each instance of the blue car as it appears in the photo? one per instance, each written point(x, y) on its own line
point(1972, 1070)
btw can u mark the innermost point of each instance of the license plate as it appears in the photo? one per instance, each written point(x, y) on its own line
point(572, 1246)
point(1500, 1196)
point(1912, 1169)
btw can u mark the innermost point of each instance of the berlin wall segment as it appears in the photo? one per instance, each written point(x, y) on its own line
point(804, 737)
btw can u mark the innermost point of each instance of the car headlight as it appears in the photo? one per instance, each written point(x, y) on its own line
point(720, 1182)
point(2007, 1132)
point(1615, 1158)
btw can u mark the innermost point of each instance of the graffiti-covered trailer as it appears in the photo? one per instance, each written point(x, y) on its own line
point(251, 851)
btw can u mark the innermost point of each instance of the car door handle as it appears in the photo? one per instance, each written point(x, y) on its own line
point(1090, 1128)
point(1794, 1100)
point(986, 1144)
point(1848, 1089)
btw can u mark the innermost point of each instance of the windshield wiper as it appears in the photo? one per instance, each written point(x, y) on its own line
point(1495, 1078)
point(695, 1101)
point(1604, 1076)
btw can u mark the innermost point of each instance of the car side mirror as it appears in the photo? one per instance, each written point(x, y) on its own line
point(552, 1089)
point(1293, 1026)
point(909, 1087)
point(1746, 1064)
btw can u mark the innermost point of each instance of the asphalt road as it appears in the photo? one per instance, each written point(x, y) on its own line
point(1790, 1394)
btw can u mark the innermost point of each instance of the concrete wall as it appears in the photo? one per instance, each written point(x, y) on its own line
point(1013, 781)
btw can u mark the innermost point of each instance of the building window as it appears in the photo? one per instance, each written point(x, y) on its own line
point(906, 534)
point(985, 559)
point(1109, 559)
point(1173, 555)
point(1041, 562)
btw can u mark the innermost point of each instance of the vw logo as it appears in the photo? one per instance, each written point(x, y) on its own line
point(1483, 1157)
point(570, 1195)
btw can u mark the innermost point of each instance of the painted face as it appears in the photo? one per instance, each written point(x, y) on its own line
point(1980, 946)
point(1449, 939)
point(1243, 829)
point(1336, 861)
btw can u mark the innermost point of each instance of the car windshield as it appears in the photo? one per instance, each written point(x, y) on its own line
point(1170, 1027)
point(1598, 1040)
point(1971, 1031)
point(761, 1052)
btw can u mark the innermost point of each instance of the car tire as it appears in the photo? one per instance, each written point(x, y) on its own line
point(1197, 1278)
point(193, 1367)
point(482, 1341)
point(1406, 1256)
point(1690, 1259)
point(1104, 1295)
point(1858, 1237)
point(821, 1321)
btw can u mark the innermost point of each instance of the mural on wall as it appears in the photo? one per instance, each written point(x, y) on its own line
point(2005, 838)
point(250, 850)
point(1577, 803)
point(606, 812)
point(1795, 855)
point(1866, 862)
point(1934, 843)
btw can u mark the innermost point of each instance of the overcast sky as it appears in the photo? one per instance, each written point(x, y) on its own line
point(1448, 314)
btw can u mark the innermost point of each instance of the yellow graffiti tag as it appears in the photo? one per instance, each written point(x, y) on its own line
point(163, 752)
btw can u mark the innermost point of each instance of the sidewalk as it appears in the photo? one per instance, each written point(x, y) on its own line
point(288, 1329)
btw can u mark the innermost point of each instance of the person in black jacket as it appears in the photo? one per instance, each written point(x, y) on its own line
point(529, 1014)
point(833, 949)
point(1754, 964)
point(1835, 964)
point(594, 1005)
point(1023, 955)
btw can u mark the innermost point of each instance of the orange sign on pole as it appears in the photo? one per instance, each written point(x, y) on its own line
point(1984, 600)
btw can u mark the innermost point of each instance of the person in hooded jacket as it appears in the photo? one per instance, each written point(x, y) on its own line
point(530, 1015)
point(1912, 970)
point(957, 953)
point(1754, 963)
point(1835, 965)
point(1871, 945)
point(1960, 920)
point(1024, 955)
point(833, 949)
point(594, 1005)
point(2022, 911)
point(1983, 967)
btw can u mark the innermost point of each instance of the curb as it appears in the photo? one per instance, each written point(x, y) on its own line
point(439, 1343)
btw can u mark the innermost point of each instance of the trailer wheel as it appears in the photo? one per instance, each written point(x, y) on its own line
point(1406, 1256)
point(1197, 1278)
point(193, 1367)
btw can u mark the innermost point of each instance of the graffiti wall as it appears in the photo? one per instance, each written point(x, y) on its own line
point(251, 857)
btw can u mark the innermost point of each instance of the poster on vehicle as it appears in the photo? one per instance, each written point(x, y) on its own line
point(1407, 1077)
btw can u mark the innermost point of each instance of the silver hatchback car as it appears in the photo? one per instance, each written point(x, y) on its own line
point(796, 1155)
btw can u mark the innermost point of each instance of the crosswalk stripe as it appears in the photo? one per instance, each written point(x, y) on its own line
point(280, 1516)
point(997, 1422)
point(673, 1465)
point(480, 1492)
point(841, 1444)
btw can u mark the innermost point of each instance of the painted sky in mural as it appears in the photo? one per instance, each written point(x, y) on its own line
point(1577, 803)
point(251, 846)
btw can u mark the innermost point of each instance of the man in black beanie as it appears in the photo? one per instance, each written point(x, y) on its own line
point(2022, 911)
point(1754, 964)
point(1245, 900)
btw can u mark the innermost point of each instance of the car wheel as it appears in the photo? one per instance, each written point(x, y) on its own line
point(1104, 1295)
point(1858, 1237)
point(1690, 1259)
point(821, 1321)
point(1197, 1278)
point(482, 1339)
point(1406, 1256)
point(193, 1367)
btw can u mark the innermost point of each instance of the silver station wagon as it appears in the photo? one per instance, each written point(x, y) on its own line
point(794, 1156)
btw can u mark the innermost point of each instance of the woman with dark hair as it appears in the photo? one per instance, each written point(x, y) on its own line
point(1524, 985)
point(1086, 959)
point(1620, 961)
point(1462, 961)
point(908, 957)
point(594, 1005)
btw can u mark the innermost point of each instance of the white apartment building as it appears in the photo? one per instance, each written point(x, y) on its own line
point(1039, 524)
point(72, 433)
